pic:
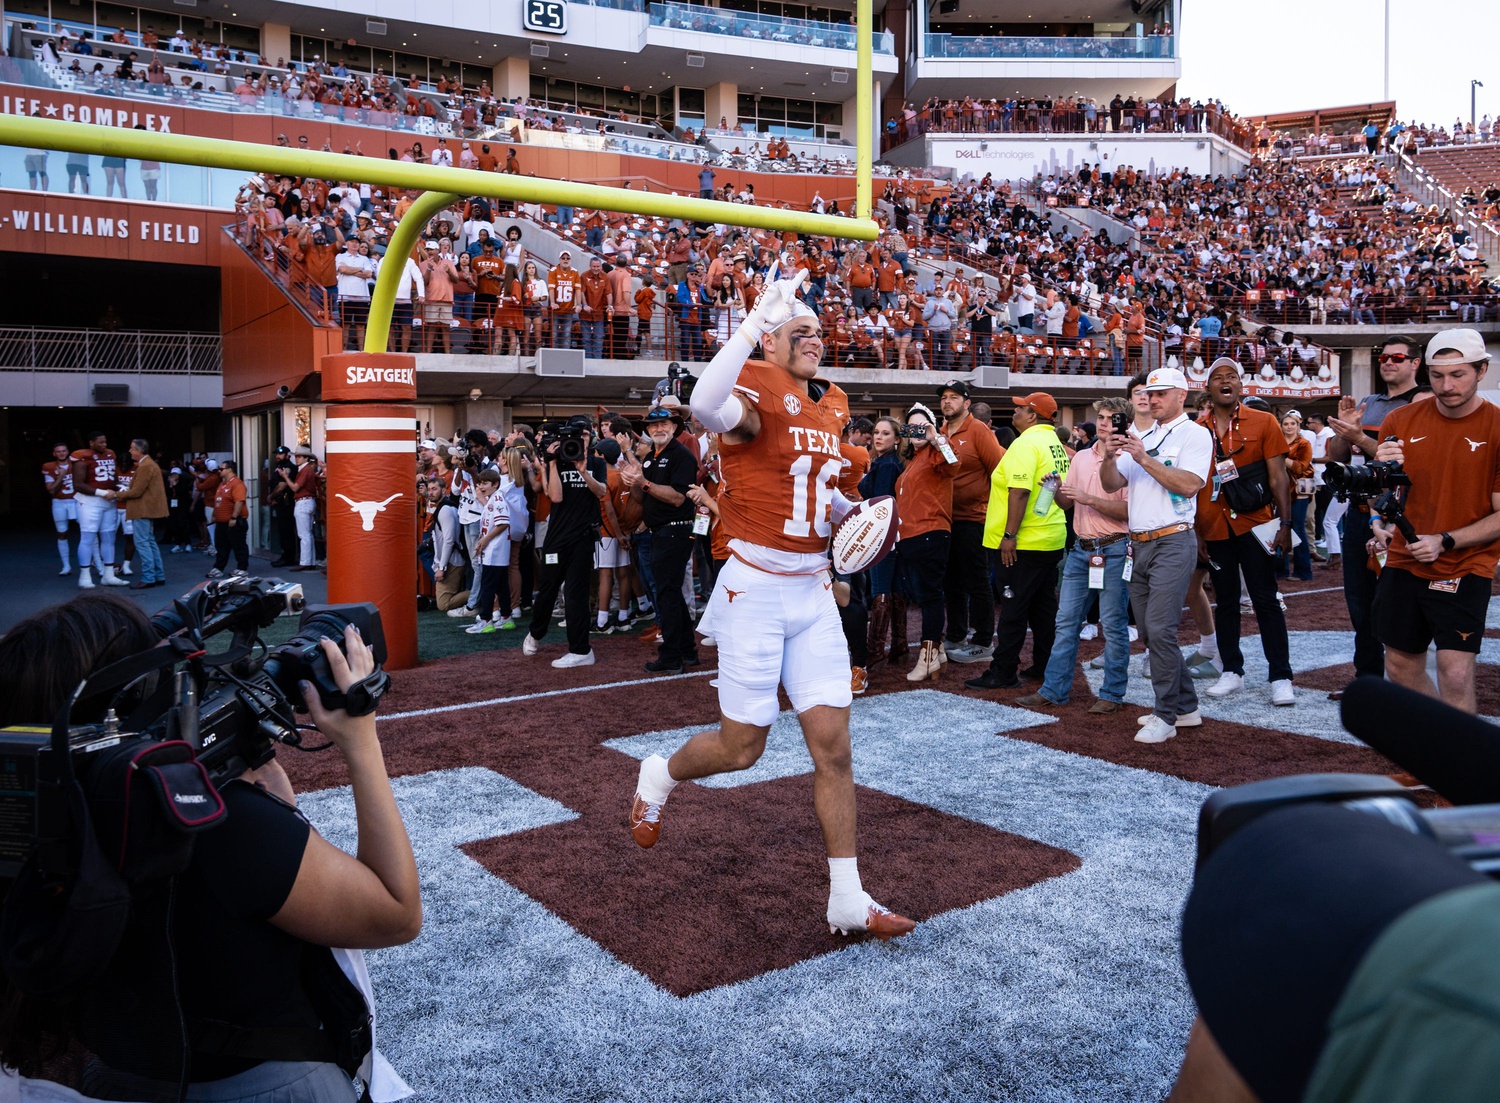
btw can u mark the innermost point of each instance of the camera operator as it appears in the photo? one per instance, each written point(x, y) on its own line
point(1357, 431)
point(1164, 468)
point(575, 490)
point(262, 889)
point(660, 483)
point(1437, 588)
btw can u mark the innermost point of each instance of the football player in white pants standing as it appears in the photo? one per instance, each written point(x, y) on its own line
point(94, 481)
point(773, 611)
point(57, 475)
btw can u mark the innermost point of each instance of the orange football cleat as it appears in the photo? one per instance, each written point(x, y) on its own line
point(645, 823)
point(859, 680)
point(881, 922)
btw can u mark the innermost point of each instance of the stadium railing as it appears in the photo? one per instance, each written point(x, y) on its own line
point(1030, 47)
point(769, 28)
point(1276, 307)
point(42, 349)
point(1031, 120)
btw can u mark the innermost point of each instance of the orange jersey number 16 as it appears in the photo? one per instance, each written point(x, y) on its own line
point(816, 499)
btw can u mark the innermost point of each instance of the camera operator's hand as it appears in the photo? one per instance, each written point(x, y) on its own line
point(1426, 549)
point(1382, 536)
point(1390, 451)
point(346, 731)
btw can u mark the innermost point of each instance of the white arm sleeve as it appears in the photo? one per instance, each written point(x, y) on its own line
point(714, 402)
point(841, 505)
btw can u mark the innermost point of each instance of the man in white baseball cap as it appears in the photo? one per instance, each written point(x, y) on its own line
point(1164, 468)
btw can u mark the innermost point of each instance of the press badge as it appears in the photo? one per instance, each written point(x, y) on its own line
point(1096, 572)
point(1444, 585)
point(550, 558)
point(700, 524)
point(1129, 565)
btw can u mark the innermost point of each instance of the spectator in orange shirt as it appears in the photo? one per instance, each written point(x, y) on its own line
point(231, 519)
point(563, 287)
point(861, 281)
point(887, 280)
point(619, 301)
point(595, 309)
point(645, 306)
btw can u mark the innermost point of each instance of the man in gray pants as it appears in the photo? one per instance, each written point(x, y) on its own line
point(1164, 468)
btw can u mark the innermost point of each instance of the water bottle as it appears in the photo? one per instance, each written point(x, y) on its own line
point(1045, 494)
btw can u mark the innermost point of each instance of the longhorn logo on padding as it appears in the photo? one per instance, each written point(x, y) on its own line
point(367, 510)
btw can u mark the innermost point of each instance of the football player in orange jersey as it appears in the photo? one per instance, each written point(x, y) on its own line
point(57, 476)
point(773, 611)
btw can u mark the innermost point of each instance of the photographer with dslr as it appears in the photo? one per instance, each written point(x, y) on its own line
point(261, 892)
point(1436, 588)
point(575, 480)
point(1357, 434)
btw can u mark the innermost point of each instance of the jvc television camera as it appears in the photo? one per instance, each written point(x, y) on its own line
point(230, 707)
point(567, 436)
point(1379, 483)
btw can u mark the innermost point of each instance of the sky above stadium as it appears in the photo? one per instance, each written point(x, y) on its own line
point(1284, 55)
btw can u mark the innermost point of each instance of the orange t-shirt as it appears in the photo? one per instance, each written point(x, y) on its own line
point(1252, 435)
point(1462, 456)
point(645, 301)
point(856, 463)
point(979, 453)
point(230, 492)
point(924, 494)
point(777, 488)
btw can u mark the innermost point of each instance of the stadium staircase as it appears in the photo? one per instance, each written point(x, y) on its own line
point(1440, 176)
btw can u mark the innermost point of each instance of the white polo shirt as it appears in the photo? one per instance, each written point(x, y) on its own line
point(1180, 443)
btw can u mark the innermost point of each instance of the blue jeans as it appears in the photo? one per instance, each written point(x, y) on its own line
point(642, 542)
point(593, 339)
point(1073, 603)
point(1301, 554)
point(147, 551)
point(562, 330)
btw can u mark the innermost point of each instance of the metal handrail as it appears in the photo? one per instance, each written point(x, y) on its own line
point(57, 349)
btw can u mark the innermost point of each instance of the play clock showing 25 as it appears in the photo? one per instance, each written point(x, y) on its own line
point(545, 16)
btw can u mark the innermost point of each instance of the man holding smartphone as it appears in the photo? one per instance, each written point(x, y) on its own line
point(1164, 468)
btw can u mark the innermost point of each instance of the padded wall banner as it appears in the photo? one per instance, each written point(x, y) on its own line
point(372, 515)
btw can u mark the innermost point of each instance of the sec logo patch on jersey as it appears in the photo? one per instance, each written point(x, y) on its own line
point(793, 404)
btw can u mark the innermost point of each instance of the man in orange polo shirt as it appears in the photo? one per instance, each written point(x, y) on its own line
point(1248, 478)
point(861, 281)
point(231, 521)
point(595, 309)
point(970, 595)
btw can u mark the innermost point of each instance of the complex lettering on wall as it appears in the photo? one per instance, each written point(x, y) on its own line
point(85, 113)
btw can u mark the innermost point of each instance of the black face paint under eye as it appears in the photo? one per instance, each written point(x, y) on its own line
point(806, 337)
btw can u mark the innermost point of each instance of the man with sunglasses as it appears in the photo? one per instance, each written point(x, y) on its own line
point(1357, 429)
point(1249, 477)
point(1165, 468)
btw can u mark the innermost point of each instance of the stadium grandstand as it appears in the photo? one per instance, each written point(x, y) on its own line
point(1054, 217)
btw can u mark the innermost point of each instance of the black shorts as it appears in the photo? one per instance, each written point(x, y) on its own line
point(1410, 614)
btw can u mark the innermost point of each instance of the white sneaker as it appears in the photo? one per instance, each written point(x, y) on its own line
point(1192, 719)
point(1281, 692)
point(85, 578)
point(708, 641)
point(477, 627)
point(1229, 682)
point(529, 644)
point(460, 611)
point(1282, 602)
point(67, 570)
point(1089, 632)
point(1155, 730)
point(107, 577)
point(1096, 663)
point(570, 659)
point(1134, 633)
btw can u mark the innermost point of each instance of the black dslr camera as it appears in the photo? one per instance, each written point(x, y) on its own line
point(567, 436)
point(1380, 484)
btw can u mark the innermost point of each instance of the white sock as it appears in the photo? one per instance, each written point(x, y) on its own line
point(604, 618)
point(1208, 645)
point(656, 782)
point(62, 550)
point(623, 616)
point(843, 877)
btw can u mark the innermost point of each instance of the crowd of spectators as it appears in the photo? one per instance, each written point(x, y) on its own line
point(1066, 115)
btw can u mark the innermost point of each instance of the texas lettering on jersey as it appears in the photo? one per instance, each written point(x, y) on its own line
point(778, 488)
point(52, 471)
point(101, 466)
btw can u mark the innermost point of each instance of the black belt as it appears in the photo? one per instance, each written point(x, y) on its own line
point(1090, 545)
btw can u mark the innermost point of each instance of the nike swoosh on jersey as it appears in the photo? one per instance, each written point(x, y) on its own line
point(1415, 439)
